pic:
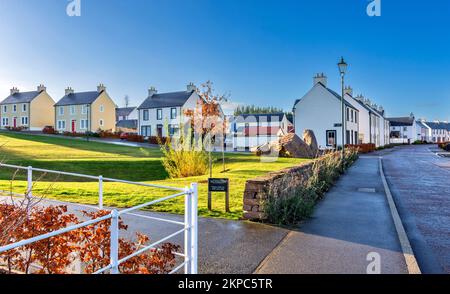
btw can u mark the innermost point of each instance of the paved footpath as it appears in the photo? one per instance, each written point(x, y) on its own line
point(420, 185)
point(352, 221)
point(225, 246)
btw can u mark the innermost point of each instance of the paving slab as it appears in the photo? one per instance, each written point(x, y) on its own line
point(351, 222)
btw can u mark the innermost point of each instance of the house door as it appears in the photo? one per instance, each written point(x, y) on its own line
point(73, 125)
point(15, 122)
point(159, 129)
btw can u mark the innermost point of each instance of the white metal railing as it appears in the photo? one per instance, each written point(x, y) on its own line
point(190, 224)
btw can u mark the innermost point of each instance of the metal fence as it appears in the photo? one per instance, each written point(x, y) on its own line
point(190, 224)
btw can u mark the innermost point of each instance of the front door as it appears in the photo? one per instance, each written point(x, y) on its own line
point(159, 129)
point(73, 125)
point(15, 122)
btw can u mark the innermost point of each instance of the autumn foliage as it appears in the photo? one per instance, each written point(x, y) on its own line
point(89, 246)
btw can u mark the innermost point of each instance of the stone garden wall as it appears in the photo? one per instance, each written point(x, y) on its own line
point(258, 190)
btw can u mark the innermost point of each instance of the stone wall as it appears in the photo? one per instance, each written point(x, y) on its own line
point(258, 190)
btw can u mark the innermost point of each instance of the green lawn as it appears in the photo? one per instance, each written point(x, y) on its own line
point(120, 162)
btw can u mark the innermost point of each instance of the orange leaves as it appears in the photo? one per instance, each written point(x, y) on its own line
point(89, 245)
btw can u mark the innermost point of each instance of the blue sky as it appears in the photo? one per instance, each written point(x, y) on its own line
point(261, 52)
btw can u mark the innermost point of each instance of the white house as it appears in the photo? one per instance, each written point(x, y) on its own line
point(423, 131)
point(320, 111)
point(373, 127)
point(439, 131)
point(403, 129)
point(165, 109)
point(252, 130)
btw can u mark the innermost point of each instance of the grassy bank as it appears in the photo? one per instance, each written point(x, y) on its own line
point(121, 162)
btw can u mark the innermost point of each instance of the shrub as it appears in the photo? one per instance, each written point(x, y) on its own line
point(49, 130)
point(363, 148)
point(183, 157)
point(16, 129)
point(295, 204)
point(156, 140)
point(54, 255)
point(108, 134)
point(419, 142)
point(135, 138)
point(445, 146)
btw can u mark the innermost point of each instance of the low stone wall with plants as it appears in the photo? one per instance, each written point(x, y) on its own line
point(289, 195)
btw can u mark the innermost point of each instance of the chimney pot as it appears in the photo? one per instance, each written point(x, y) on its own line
point(101, 87)
point(152, 91)
point(191, 87)
point(69, 91)
point(14, 90)
point(320, 78)
point(348, 90)
point(41, 88)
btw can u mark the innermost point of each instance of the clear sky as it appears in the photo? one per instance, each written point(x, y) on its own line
point(261, 52)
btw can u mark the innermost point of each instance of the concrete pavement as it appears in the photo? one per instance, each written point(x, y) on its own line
point(420, 185)
point(351, 222)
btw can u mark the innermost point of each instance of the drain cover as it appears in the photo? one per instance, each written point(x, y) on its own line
point(367, 190)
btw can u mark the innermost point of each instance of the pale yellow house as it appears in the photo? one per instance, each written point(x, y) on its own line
point(85, 111)
point(28, 110)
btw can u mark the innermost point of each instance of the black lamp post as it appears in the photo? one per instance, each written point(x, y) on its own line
point(342, 65)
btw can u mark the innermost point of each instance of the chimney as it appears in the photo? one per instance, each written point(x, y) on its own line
point(348, 90)
point(360, 97)
point(191, 87)
point(320, 78)
point(14, 90)
point(101, 88)
point(411, 115)
point(380, 109)
point(152, 91)
point(69, 91)
point(41, 88)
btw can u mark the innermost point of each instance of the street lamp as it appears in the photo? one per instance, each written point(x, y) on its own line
point(342, 70)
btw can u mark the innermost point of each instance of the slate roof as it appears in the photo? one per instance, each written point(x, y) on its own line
point(439, 125)
point(21, 97)
point(267, 117)
point(172, 99)
point(78, 98)
point(127, 123)
point(421, 124)
point(334, 94)
point(124, 111)
point(369, 109)
point(401, 121)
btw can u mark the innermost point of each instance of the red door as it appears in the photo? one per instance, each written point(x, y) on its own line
point(15, 122)
point(73, 126)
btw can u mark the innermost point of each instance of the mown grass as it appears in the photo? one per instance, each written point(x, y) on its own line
point(121, 162)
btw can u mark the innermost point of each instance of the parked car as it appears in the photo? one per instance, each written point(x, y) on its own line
point(125, 135)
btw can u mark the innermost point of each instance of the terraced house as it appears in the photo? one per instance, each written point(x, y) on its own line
point(80, 112)
point(27, 110)
point(165, 110)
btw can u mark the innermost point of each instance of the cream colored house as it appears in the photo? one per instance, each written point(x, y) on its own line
point(82, 112)
point(29, 110)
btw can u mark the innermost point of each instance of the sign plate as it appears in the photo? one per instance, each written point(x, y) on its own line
point(218, 185)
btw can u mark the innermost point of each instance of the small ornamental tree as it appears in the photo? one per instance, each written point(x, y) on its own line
point(207, 119)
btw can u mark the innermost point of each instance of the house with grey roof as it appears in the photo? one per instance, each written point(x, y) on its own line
point(81, 112)
point(126, 119)
point(319, 110)
point(31, 110)
point(403, 130)
point(161, 110)
point(253, 130)
point(439, 131)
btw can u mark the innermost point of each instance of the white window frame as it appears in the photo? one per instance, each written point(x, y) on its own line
point(158, 111)
point(5, 121)
point(61, 110)
point(5, 108)
point(24, 107)
point(172, 116)
point(22, 120)
point(61, 122)
point(83, 124)
point(83, 109)
point(14, 108)
point(72, 110)
point(102, 108)
point(101, 122)
point(145, 111)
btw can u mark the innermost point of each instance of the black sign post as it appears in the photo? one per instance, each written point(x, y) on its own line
point(219, 185)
